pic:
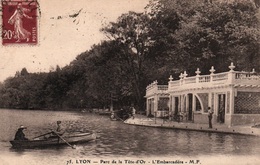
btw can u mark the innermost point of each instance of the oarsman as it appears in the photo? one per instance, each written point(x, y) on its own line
point(60, 130)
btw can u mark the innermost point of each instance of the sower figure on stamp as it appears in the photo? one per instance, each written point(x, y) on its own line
point(210, 114)
point(17, 20)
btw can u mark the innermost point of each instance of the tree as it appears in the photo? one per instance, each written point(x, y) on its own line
point(131, 32)
point(221, 33)
point(167, 18)
point(24, 72)
point(257, 3)
point(208, 33)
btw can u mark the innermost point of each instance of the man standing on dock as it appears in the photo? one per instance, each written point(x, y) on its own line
point(210, 113)
point(133, 112)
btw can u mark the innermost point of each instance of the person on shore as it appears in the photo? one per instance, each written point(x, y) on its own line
point(210, 114)
point(19, 135)
point(113, 117)
point(133, 112)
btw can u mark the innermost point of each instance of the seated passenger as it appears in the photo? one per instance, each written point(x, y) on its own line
point(19, 135)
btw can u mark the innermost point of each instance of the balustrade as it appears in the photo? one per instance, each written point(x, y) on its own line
point(246, 75)
point(230, 77)
point(220, 77)
point(175, 83)
point(162, 87)
point(203, 79)
point(154, 88)
point(190, 80)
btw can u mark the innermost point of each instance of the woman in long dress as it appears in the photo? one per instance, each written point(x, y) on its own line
point(17, 20)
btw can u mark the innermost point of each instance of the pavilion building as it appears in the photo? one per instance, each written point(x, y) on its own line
point(233, 96)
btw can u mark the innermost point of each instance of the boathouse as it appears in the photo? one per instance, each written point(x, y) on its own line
point(233, 96)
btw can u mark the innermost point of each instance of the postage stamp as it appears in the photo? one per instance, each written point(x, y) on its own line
point(19, 22)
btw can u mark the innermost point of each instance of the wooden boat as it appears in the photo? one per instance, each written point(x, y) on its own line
point(44, 141)
point(104, 113)
point(121, 115)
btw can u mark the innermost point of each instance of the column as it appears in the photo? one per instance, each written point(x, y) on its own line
point(173, 105)
point(147, 106)
point(193, 103)
point(232, 104)
point(187, 103)
point(156, 104)
point(180, 103)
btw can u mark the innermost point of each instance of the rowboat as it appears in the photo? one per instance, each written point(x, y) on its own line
point(104, 113)
point(44, 141)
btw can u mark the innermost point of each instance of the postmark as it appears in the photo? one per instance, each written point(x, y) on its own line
point(19, 22)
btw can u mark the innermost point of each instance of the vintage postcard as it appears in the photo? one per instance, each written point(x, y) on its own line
point(130, 82)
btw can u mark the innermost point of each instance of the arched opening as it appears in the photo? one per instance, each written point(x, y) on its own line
point(198, 104)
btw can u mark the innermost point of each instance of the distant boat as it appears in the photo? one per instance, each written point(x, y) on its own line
point(119, 115)
point(104, 113)
point(73, 138)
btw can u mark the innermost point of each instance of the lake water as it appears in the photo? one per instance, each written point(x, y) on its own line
point(119, 141)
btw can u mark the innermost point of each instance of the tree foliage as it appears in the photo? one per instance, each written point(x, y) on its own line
point(131, 33)
point(170, 36)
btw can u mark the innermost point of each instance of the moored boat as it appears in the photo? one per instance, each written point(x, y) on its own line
point(73, 138)
point(105, 113)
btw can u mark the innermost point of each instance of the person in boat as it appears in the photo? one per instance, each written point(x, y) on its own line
point(59, 130)
point(19, 135)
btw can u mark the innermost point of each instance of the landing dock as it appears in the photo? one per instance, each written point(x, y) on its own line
point(141, 120)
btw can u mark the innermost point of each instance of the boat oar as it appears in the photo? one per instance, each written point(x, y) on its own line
point(42, 135)
point(65, 141)
point(121, 119)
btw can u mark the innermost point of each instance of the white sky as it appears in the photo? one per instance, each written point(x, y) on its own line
point(61, 40)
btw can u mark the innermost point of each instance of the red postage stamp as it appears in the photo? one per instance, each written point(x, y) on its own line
point(19, 22)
